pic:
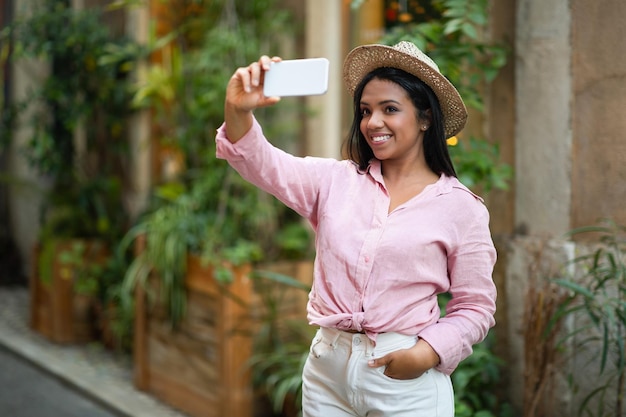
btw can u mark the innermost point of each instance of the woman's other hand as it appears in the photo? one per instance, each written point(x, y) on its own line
point(408, 363)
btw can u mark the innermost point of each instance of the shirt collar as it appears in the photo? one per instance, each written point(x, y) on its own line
point(446, 184)
point(374, 169)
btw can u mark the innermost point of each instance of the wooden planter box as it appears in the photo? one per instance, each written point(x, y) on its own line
point(201, 367)
point(57, 311)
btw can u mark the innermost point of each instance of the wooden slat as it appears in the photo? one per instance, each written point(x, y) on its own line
point(197, 403)
point(201, 367)
point(57, 312)
point(141, 373)
point(236, 347)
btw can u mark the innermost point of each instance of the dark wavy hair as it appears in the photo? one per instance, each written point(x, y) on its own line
point(423, 98)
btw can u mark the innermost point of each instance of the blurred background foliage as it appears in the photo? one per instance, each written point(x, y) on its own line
point(200, 205)
point(83, 169)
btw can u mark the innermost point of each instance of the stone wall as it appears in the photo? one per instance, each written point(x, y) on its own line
point(598, 103)
point(556, 112)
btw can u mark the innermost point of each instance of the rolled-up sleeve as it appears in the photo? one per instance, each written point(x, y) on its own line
point(470, 312)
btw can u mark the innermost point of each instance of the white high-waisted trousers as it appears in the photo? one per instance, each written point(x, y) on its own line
point(337, 382)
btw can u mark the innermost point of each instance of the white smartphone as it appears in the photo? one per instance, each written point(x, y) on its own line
point(297, 77)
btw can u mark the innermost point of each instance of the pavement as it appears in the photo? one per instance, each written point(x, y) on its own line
point(94, 373)
point(28, 391)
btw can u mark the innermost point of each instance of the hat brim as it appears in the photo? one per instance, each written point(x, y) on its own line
point(364, 59)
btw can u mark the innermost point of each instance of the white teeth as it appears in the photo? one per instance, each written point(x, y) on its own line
point(380, 138)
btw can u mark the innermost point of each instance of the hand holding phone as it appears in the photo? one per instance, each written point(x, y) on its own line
point(297, 77)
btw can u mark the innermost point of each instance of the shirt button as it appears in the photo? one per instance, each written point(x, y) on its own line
point(367, 259)
point(357, 341)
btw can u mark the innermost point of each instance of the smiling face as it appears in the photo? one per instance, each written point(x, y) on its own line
point(390, 123)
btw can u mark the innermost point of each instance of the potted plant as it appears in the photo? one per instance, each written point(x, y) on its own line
point(78, 145)
point(596, 283)
point(207, 227)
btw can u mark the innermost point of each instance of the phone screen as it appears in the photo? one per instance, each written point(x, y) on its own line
point(297, 77)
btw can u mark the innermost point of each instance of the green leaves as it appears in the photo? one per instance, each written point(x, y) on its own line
point(476, 162)
point(208, 210)
point(598, 300)
point(475, 384)
point(457, 42)
point(86, 85)
point(281, 343)
point(466, 17)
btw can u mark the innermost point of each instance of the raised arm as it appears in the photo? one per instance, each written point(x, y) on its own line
point(244, 93)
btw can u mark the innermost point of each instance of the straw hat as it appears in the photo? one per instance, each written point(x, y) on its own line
point(406, 56)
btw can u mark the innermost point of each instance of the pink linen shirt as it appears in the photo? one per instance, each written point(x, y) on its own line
point(377, 271)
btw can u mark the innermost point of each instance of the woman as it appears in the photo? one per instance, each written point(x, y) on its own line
point(394, 228)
